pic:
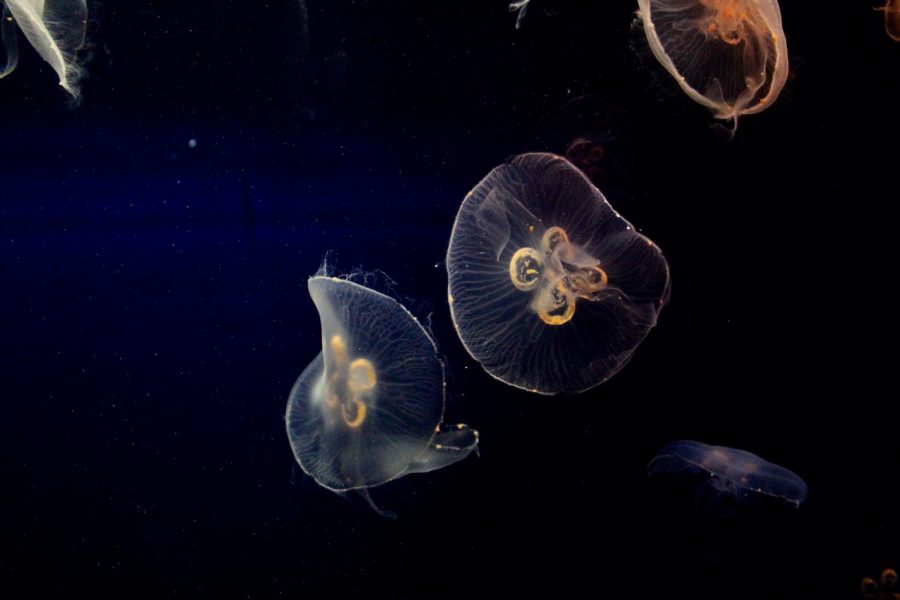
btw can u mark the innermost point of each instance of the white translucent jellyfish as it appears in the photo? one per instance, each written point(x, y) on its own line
point(729, 55)
point(55, 28)
point(737, 473)
point(368, 408)
point(522, 7)
point(550, 289)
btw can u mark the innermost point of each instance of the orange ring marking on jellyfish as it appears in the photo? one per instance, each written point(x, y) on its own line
point(354, 421)
point(552, 237)
point(361, 376)
point(525, 268)
point(548, 317)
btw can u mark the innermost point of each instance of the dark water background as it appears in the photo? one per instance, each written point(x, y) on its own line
point(155, 314)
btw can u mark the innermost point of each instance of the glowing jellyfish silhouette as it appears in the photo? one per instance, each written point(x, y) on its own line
point(739, 474)
point(55, 28)
point(550, 289)
point(883, 589)
point(891, 11)
point(368, 408)
point(728, 55)
point(522, 7)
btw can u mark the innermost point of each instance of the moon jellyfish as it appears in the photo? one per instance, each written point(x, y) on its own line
point(891, 11)
point(728, 55)
point(55, 28)
point(550, 289)
point(368, 408)
point(737, 473)
point(714, 503)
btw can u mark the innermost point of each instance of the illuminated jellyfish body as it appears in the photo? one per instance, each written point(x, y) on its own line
point(368, 408)
point(55, 28)
point(737, 473)
point(550, 289)
point(728, 55)
point(522, 7)
point(891, 10)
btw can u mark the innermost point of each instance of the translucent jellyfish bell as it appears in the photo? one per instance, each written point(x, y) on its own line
point(55, 28)
point(368, 408)
point(551, 290)
point(738, 473)
point(728, 55)
point(522, 7)
point(891, 10)
point(725, 499)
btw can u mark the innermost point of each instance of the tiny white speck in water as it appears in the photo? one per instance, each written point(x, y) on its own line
point(192, 143)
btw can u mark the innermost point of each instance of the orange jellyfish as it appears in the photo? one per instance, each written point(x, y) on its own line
point(728, 55)
point(891, 11)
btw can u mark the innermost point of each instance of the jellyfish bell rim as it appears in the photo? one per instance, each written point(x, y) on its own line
point(779, 70)
point(315, 369)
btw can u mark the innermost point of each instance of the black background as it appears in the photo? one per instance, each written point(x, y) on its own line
point(155, 313)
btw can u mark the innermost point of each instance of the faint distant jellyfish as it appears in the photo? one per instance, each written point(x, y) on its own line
point(736, 473)
point(55, 28)
point(593, 136)
point(550, 289)
point(884, 589)
point(728, 55)
point(368, 408)
point(891, 11)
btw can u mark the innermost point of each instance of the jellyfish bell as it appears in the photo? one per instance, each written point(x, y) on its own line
point(520, 6)
point(740, 474)
point(54, 28)
point(550, 289)
point(714, 501)
point(728, 55)
point(891, 10)
point(368, 409)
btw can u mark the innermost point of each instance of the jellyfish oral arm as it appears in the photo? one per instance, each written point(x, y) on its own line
point(559, 272)
point(446, 448)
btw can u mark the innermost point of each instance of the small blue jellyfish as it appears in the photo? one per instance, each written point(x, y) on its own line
point(738, 473)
